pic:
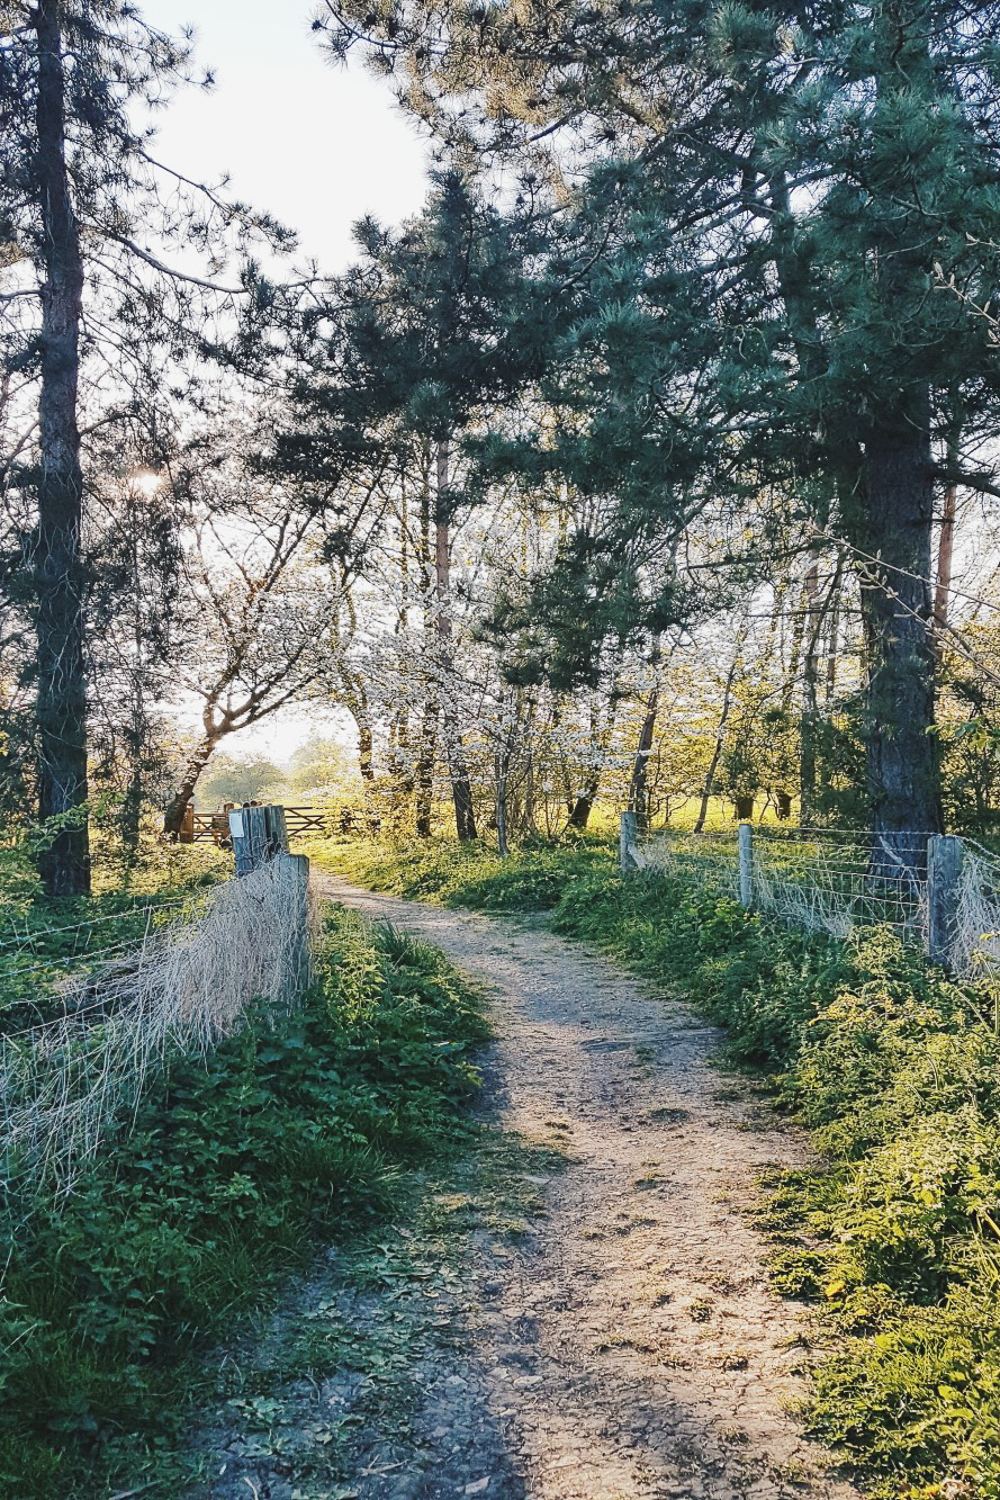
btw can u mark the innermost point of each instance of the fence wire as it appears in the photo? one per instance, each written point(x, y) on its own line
point(974, 937)
point(835, 881)
point(185, 985)
point(709, 858)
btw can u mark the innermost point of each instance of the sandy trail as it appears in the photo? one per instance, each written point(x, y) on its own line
point(630, 1346)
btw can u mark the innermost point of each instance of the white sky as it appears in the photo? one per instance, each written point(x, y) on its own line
point(316, 145)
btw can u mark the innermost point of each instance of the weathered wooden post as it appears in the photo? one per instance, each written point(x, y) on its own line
point(746, 865)
point(944, 874)
point(258, 834)
point(292, 876)
point(629, 839)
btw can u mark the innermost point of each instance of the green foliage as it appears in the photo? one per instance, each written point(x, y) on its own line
point(897, 1070)
point(471, 874)
point(252, 779)
point(19, 881)
point(234, 1164)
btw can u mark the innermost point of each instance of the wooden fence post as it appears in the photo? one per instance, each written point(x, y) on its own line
point(629, 839)
point(746, 865)
point(944, 872)
point(258, 834)
point(292, 875)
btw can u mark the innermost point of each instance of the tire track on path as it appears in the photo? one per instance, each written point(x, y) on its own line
point(630, 1347)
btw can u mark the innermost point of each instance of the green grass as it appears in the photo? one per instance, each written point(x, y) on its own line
point(895, 1069)
point(535, 879)
point(289, 1134)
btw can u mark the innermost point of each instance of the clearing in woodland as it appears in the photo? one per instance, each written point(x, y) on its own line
point(616, 1337)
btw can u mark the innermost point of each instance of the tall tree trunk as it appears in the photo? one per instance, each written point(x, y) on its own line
point(355, 700)
point(501, 768)
point(135, 742)
point(833, 645)
point(427, 754)
point(458, 770)
point(62, 689)
point(946, 548)
point(897, 611)
point(401, 763)
point(638, 792)
point(810, 699)
point(720, 734)
point(529, 767)
point(425, 769)
point(583, 803)
point(365, 749)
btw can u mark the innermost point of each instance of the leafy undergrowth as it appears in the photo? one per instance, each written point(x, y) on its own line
point(535, 879)
point(333, 1383)
point(897, 1072)
point(236, 1166)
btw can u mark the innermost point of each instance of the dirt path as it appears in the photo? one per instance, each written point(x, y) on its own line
point(627, 1346)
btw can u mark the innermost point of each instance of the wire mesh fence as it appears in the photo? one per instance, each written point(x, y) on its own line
point(115, 1014)
point(942, 894)
point(835, 881)
point(709, 858)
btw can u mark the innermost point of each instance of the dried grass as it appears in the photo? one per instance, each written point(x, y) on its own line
point(189, 984)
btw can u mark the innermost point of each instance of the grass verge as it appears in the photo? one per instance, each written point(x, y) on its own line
point(897, 1072)
point(235, 1167)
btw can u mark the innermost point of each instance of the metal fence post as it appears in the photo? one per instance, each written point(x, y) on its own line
point(944, 872)
point(292, 876)
point(746, 865)
point(628, 841)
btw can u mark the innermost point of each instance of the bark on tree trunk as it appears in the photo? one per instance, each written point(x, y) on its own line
point(501, 766)
point(810, 700)
point(946, 548)
point(400, 759)
point(583, 805)
point(720, 736)
point(176, 808)
point(61, 706)
point(638, 792)
point(902, 757)
point(425, 770)
point(365, 750)
point(458, 769)
point(427, 754)
point(355, 699)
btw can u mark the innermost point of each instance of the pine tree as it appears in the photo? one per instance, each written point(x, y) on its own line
point(794, 210)
point(423, 345)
